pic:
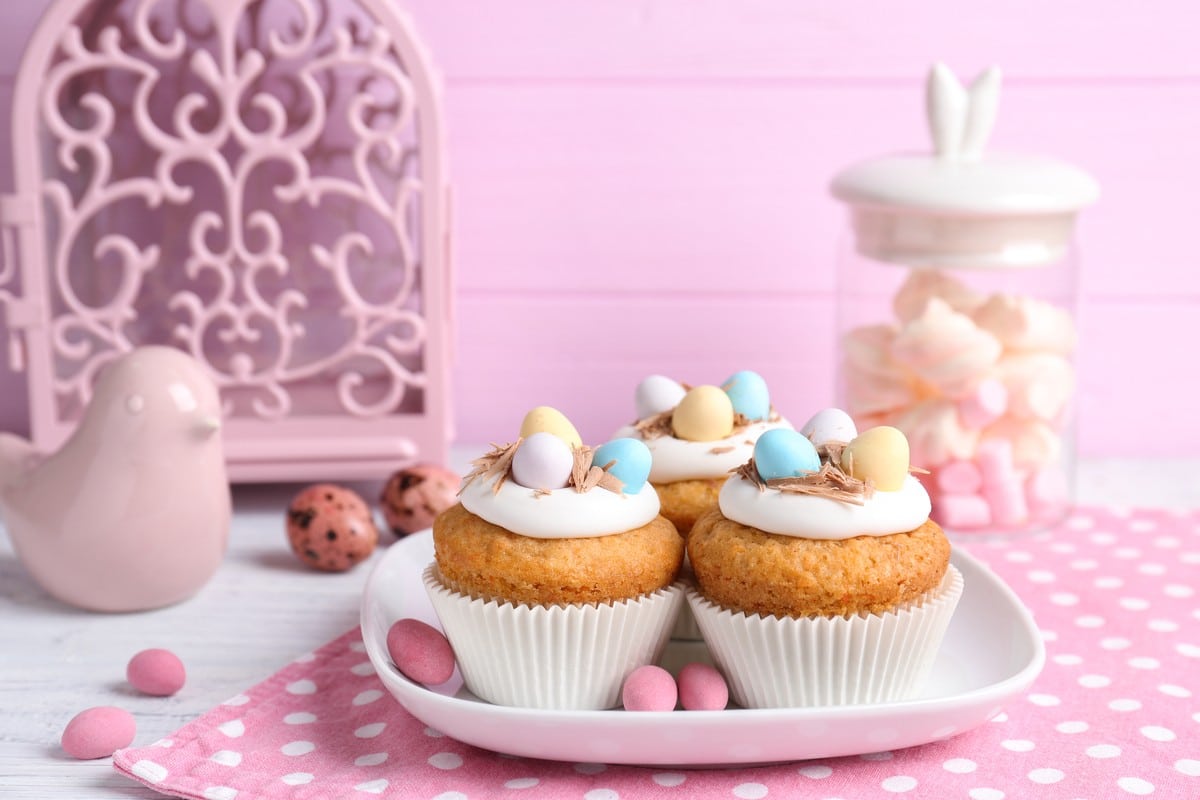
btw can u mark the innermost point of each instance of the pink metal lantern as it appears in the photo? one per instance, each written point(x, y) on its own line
point(258, 182)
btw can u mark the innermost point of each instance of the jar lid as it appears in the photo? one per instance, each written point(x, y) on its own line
point(959, 206)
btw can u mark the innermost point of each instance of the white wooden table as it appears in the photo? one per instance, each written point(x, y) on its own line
point(261, 610)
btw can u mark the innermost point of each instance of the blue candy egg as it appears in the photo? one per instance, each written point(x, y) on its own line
point(632, 462)
point(785, 453)
point(749, 394)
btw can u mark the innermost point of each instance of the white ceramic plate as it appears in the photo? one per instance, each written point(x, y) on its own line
point(992, 652)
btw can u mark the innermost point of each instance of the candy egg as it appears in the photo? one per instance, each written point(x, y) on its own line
point(330, 527)
point(550, 420)
point(749, 394)
point(705, 414)
point(829, 425)
point(649, 688)
point(657, 394)
point(413, 496)
point(879, 455)
point(784, 453)
point(420, 652)
point(543, 461)
point(156, 671)
point(702, 688)
point(98, 732)
point(631, 462)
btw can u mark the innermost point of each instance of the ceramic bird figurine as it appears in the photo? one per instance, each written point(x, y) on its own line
point(133, 511)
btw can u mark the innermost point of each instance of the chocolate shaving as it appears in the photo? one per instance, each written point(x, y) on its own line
point(655, 426)
point(579, 469)
point(496, 462)
point(716, 451)
point(830, 481)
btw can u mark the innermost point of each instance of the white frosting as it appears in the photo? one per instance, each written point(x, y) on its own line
point(811, 517)
point(561, 514)
point(681, 460)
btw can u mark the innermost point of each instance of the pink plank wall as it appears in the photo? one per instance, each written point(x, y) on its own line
point(640, 186)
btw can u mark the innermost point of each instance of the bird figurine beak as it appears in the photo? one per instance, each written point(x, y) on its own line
point(207, 425)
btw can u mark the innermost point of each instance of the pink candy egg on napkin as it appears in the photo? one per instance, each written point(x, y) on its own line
point(649, 688)
point(98, 732)
point(156, 671)
point(420, 652)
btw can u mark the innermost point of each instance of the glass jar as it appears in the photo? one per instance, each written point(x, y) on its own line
point(956, 296)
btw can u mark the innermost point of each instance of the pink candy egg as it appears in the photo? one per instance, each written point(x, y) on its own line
point(649, 688)
point(156, 671)
point(98, 732)
point(420, 652)
point(702, 688)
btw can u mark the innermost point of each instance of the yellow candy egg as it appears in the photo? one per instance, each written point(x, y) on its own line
point(879, 455)
point(550, 420)
point(705, 414)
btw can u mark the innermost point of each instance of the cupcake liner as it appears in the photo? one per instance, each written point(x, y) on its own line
point(773, 662)
point(685, 628)
point(569, 657)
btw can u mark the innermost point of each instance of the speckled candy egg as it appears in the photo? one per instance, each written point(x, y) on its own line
point(550, 420)
point(748, 392)
point(879, 455)
point(543, 461)
point(330, 527)
point(705, 414)
point(413, 496)
point(656, 394)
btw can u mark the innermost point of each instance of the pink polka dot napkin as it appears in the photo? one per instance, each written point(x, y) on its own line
point(1115, 714)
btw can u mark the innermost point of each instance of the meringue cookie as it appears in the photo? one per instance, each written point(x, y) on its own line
point(874, 381)
point(923, 285)
point(936, 434)
point(945, 348)
point(1040, 385)
point(1034, 443)
point(1026, 323)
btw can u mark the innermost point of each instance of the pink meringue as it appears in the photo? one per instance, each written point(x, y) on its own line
point(1027, 324)
point(875, 383)
point(945, 348)
point(1034, 443)
point(936, 434)
point(1040, 385)
point(922, 285)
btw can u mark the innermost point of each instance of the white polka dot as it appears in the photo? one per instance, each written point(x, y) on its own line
point(1089, 621)
point(1049, 636)
point(451, 796)
point(1094, 681)
point(1041, 576)
point(1080, 523)
point(883, 755)
point(370, 731)
point(237, 700)
point(220, 793)
point(1167, 542)
point(669, 779)
point(357, 647)
point(1046, 775)
point(1136, 786)
point(1189, 650)
point(297, 748)
point(300, 718)
point(1103, 751)
point(434, 733)
point(1102, 538)
point(1071, 726)
point(363, 669)
point(373, 787)
point(899, 783)
point(984, 793)
point(601, 794)
point(521, 783)
point(1133, 604)
point(1001, 717)
point(1144, 662)
point(304, 659)
point(590, 769)
point(149, 771)
point(445, 760)
point(226, 758)
point(1171, 690)
point(1188, 766)
point(1064, 599)
point(1062, 547)
point(1044, 700)
point(1127, 553)
point(297, 778)
point(1067, 659)
point(1157, 733)
point(234, 728)
point(1017, 745)
point(1142, 525)
point(1163, 625)
point(1178, 591)
point(1018, 556)
point(1150, 568)
point(1115, 643)
point(749, 791)
point(1084, 564)
point(371, 760)
point(369, 696)
point(301, 687)
point(1108, 582)
point(1125, 704)
point(1190, 558)
point(959, 766)
point(816, 771)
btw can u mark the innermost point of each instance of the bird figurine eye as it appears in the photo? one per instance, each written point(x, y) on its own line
point(134, 403)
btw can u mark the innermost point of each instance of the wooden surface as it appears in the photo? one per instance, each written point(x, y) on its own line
point(261, 610)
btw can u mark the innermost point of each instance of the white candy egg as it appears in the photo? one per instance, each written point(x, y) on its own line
point(657, 394)
point(543, 461)
point(830, 425)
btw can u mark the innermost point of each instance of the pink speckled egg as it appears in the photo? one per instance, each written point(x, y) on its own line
point(98, 732)
point(420, 652)
point(649, 688)
point(702, 688)
point(156, 671)
point(330, 527)
point(414, 496)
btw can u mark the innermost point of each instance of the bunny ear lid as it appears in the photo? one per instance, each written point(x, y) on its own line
point(960, 120)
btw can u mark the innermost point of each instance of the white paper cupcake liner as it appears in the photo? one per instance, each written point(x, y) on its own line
point(572, 657)
point(773, 662)
point(686, 628)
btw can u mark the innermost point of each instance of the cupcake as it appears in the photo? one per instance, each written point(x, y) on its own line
point(697, 435)
point(820, 578)
point(554, 575)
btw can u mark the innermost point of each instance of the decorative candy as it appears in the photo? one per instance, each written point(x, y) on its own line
point(878, 455)
point(936, 434)
point(1034, 443)
point(412, 497)
point(649, 688)
point(749, 394)
point(330, 527)
point(1026, 323)
point(959, 477)
point(98, 732)
point(631, 462)
point(420, 652)
point(156, 671)
point(657, 394)
point(995, 460)
point(550, 420)
point(984, 404)
point(1006, 498)
point(921, 285)
point(784, 453)
point(543, 461)
point(705, 414)
point(829, 425)
point(1046, 492)
point(945, 348)
point(702, 688)
point(962, 511)
point(1039, 385)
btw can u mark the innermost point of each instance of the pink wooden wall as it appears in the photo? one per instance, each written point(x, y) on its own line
point(640, 187)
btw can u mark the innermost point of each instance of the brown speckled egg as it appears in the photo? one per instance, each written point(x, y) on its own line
point(414, 496)
point(330, 527)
